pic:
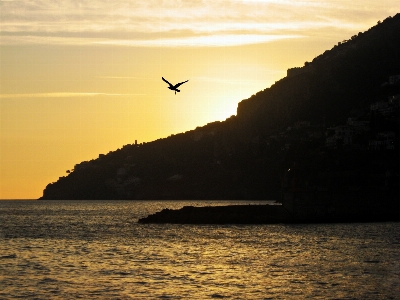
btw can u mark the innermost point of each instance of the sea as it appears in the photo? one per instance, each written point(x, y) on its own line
point(97, 250)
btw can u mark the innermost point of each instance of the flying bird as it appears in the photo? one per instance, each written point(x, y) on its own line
point(174, 87)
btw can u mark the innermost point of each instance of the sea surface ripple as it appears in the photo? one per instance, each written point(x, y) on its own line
point(97, 250)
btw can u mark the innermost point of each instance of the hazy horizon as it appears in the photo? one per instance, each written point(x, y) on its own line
point(79, 79)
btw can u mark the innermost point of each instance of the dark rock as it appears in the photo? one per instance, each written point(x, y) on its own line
point(231, 214)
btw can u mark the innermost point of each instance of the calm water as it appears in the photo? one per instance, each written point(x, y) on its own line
point(96, 250)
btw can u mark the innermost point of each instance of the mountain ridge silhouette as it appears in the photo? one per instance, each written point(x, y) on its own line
point(244, 157)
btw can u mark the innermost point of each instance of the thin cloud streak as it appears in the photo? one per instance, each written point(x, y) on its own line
point(201, 41)
point(63, 95)
point(220, 80)
point(121, 77)
point(194, 41)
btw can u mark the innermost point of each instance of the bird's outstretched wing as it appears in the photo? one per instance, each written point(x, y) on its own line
point(180, 83)
point(166, 81)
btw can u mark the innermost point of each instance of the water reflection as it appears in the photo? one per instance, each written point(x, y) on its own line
point(97, 250)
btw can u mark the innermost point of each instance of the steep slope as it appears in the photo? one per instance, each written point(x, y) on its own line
point(345, 78)
point(246, 156)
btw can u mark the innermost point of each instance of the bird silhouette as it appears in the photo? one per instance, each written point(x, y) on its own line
point(174, 87)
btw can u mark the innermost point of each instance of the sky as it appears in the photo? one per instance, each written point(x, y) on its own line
point(79, 78)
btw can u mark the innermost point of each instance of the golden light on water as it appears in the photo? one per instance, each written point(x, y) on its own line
point(96, 249)
point(78, 79)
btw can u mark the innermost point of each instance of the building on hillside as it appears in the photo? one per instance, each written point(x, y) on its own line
point(342, 134)
point(358, 123)
point(387, 139)
point(383, 141)
point(379, 106)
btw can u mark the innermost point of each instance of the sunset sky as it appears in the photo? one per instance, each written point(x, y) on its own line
point(79, 78)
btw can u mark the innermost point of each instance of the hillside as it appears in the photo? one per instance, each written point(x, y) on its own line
point(333, 119)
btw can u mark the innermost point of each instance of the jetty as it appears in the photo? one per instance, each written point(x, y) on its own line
point(295, 206)
point(229, 214)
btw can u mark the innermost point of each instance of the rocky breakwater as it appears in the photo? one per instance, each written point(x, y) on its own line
point(230, 214)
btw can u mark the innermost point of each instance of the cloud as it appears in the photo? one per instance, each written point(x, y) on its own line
point(62, 95)
point(201, 41)
point(181, 23)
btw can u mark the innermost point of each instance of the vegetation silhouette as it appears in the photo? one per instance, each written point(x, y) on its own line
point(279, 136)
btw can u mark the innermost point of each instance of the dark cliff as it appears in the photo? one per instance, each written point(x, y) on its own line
point(347, 77)
point(248, 155)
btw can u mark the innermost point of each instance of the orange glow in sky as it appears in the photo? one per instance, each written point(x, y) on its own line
point(82, 78)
